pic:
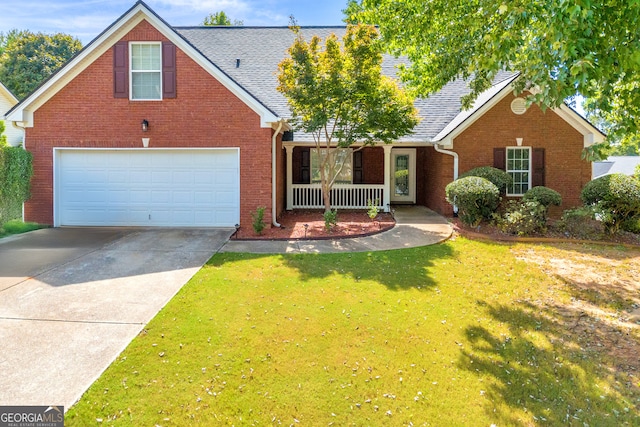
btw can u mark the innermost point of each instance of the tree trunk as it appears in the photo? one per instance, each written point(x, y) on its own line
point(326, 190)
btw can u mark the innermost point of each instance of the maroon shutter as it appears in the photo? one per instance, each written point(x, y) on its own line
point(358, 170)
point(305, 166)
point(500, 158)
point(168, 70)
point(120, 70)
point(537, 167)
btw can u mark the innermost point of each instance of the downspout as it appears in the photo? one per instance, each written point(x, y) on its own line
point(274, 186)
point(455, 165)
point(22, 128)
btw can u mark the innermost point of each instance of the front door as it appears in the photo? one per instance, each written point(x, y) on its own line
point(403, 175)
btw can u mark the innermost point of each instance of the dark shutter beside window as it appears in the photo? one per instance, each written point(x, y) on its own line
point(168, 70)
point(358, 170)
point(537, 167)
point(500, 158)
point(305, 166)
point(121, 70)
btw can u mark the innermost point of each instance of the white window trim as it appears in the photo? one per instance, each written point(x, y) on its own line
point(311, 169)
point(506, 164)
point(131, 98)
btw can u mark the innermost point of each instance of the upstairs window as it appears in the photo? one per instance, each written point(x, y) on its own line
point(146, 71)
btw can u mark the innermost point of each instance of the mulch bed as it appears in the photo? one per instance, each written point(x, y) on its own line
point(489, 231)
point(350, 224)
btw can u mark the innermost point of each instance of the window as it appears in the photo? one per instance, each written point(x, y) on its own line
point(519, 167)
point(341, 155)
point(146, 71)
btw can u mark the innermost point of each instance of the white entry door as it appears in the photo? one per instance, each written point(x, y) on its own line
point(403, 175)
point(147, 187)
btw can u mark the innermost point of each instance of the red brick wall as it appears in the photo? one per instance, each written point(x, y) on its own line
point(438, 172)
point(204, 114)
point(565, 171)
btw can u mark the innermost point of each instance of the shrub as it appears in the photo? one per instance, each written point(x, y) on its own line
point(543, 195)
point(372, 210)
point(523, 218)
point(616, 197)
point(631, 225)
point(476, 198)
point(497, 177)
point(258, 220)
point(330, 219)
point(15, 177)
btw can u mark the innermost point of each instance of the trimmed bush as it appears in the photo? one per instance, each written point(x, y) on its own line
point(497, 177)
point(543, 195)
point(616, 197)
point(476, 198)
point(523, 218)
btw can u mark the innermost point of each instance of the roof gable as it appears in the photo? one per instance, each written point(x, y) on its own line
point(23, 112)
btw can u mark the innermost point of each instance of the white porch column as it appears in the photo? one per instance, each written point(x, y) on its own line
point(289, 149)
point(386, 192)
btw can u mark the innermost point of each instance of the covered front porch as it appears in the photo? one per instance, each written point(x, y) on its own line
point(382, 175)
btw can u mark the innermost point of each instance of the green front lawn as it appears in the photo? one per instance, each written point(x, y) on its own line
point(461, 333)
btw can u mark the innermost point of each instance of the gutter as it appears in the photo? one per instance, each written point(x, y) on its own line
point(455, 165)
point(274, 139)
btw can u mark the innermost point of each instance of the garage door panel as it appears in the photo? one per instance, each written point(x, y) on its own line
point(148, 187)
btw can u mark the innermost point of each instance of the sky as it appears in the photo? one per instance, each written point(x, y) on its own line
point(85, 19)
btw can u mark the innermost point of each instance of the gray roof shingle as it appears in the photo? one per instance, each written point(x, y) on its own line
point(260, 49)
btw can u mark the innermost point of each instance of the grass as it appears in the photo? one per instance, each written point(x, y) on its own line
point(17, 227)
point(451, 334)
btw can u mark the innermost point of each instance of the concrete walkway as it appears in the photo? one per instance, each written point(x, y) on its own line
point(415, 226)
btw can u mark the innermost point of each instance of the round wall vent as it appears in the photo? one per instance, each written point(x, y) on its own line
point(519, 106)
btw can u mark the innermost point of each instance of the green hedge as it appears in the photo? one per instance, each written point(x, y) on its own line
point(616, 197)
point(476, 198)
point(16, 169)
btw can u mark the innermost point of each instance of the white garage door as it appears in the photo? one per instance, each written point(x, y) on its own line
point(176, 188)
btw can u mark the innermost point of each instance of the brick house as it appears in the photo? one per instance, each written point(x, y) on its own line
point(183, 126)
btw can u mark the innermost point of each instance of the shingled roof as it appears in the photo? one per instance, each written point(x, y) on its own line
point(250, 56)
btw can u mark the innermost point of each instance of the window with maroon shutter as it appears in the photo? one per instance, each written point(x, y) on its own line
point(168, 70)
point(120, 70)
point(537, 177)
point(518, 162)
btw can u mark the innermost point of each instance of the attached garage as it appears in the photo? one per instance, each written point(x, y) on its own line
point(147, 187)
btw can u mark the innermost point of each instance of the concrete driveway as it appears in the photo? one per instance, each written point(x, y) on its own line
point(71, 299)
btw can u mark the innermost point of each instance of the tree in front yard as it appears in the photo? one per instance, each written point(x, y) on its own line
point(561, 48)
point(338, 94)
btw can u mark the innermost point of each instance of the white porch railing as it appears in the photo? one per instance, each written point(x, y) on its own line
point(343, 196)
